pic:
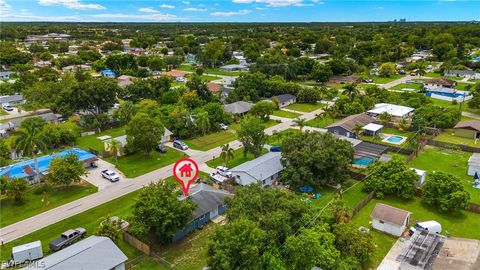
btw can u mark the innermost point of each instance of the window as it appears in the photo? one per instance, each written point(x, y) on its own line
point(381, 221)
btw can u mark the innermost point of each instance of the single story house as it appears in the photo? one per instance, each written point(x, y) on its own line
point(15, 123)
point(285, 100)
point(422, 175)
point(474, 164)
point(346, 125)
point(396, 111)
point(73, 68)
point(108, 73)
point(234, 67)
point(210, 204)
point(13, 99)
point(459, 73)
point(26, 169)
point(263, 170)
point(177, 75)
point(41, 64)
point(439, 82)
point(166, 137)
point(390, 219)
point(5, 74)
point(239, 107)
point(94, 252)
point(125, 80)
point(214, 87)
point(468, 129)
point(344, 79)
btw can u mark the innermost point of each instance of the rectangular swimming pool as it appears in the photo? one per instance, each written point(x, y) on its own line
point(363, 160)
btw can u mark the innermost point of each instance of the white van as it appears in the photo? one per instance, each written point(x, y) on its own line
point(27, 252)
point(223, 171)
point(431, 226)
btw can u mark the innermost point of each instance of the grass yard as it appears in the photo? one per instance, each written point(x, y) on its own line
point(462, 224)
point(138, 164)
point(212, 140)
point(277, 139)
point(237, 160)
point(148, 263)
point(3, 112)
point(433, 75)
point(89, 220)
point(463, 86)
point(447, 136)
point(304, 107)
point(321, 123)
point(353, 194)
point(383, 80)
point(37, 202)
point(285, 114)
point(415, 86)
point(91, 141)
point(453, 162)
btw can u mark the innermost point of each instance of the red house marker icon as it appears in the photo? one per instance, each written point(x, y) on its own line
point(185, 171)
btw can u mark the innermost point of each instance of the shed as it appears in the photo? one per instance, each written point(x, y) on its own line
point(474, 164)
point(372, 129)
point(390, 219)
point(468, 129)
point(422, 175)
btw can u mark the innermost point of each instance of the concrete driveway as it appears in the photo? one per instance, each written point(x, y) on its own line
point(95, 178)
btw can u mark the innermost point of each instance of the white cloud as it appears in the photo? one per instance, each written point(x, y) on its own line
point(4, 6)
point(260, 8)
point(105, 17)
point(195, 9)
point(159, 17)
point(166, 6)
point(186, 2)
point(272, 3)
point(71, 4)
point(230, 13)
point(148, 10)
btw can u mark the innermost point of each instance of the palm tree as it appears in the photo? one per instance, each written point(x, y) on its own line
point(320, 116)
point(421, 70)
point(377, 138)
point(340, 211)
point(357, 129)
point(203, 122)
point(114, 147)
point(333, 112)
point(351, 90)
point(385, 118)
point(403, 124)
point(30, 140)
point(300, 122)
point(227, 153)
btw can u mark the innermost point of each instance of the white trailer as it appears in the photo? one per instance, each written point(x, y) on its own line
point(27, 252)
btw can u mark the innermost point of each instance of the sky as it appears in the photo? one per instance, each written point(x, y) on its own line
point(238, 10)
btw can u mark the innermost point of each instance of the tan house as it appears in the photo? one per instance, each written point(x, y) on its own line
point(468, 129)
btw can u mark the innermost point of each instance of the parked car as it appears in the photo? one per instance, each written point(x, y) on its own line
point(26, 252)
point(402, 72)
point(67, 238)
point(180, 145)
point(276, 149)
point(368, 81)
point(7, 107)
point(161, 148)
point(223, 126)
point(223, 171)
point(431, 226)
point(110, 175)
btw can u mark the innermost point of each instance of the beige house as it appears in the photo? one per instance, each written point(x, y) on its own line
point(468, 129)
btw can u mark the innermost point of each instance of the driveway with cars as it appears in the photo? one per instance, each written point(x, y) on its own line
point(95, 178)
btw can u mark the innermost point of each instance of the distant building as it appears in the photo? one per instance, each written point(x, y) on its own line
point(390, 219)
point(5, 74)
point(210, 204)
point(439, 82)
point(41, 64)
point(125, 80)
point(396, 111)
point(94, 252)
point(285, 100)
point(264, 170)
point(234, 67)
point(239, 107)
point(344, 79)
point(47, 37)
point(13, 99)
point(108, 73)
point(74, 68)
point(214, 87)
point(459, 73)
point(12, 124)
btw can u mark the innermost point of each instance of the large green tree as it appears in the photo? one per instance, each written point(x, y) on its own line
point(315, 159)
point(144, 133)
point(263, 110)
point(445, 191)
point(66, 170)
point(252, 135)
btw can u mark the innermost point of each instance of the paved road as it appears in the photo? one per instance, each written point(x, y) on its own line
point(111, 192)
point(471, 115)
point(16, 114)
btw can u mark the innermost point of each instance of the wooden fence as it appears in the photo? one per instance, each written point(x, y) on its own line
point(465, 148)
point(134, 242)
point(362, 204)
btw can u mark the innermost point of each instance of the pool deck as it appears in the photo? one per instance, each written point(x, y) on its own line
point(388, 136)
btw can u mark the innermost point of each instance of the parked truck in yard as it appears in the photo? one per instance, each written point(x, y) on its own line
point(67, 238)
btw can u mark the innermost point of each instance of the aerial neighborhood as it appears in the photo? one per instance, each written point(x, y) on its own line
point(318, 145)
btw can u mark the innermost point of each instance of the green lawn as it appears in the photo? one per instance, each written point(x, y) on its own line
point(37, 202)
point(353, 194)
point(304, 107)
point(3, 112)
point(383, 80)
point(461, 86)
point(212, 140)
point(448, 104)
point(321, 123)
point(92, 142)
point(285, 114)
point(276, 139)
point(447, 136)
point(462, 224)
point(401, 86)
point(237, 160)
point(148, 263)
point(453, 162)
point(137, 164)
point(89, 220)
point(433, 75)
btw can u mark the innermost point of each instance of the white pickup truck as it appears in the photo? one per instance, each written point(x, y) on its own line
point(110, 175)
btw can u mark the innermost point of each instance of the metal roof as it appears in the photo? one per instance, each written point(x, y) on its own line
point(261, 167)
point(206, 198)
point(94, 252)
point(392, 109)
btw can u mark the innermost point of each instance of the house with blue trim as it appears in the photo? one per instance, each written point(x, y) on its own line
point(210, 204)
point(108, 73)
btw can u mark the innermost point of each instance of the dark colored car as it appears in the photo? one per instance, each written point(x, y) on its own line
point(161, 148)
point(276, 149)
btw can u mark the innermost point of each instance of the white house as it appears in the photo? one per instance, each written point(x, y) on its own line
point(285, 100)
point(263, 170)
point(390, 219)
point(421, 176)
point(474, 164)
point(396, 111)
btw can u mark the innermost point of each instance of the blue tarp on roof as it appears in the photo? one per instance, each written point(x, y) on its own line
point(17, 170)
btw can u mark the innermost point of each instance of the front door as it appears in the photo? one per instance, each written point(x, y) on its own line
point(477, 135)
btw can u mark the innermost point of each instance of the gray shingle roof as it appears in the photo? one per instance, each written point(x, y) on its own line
point(206, 198)
point(12, 98)
point(389, 214)
point(286, 97)
point(351, 121)
point(94, 252)
point(46, 116)
point(238, 107)
point(471, 124)
point(261, 167)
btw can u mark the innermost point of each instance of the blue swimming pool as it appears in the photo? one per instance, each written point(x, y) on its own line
point(19, 170)
point(363, 160)
point(395, 139)
point(452, 95)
